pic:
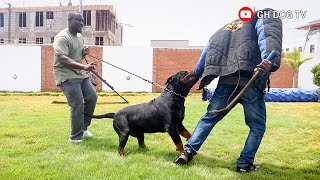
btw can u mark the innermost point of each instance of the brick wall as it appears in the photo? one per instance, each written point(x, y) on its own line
point(283, 78)
point(47, 77)
point(98, 53)
point(166, 62)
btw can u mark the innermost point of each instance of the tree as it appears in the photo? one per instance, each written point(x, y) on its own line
point(316, 74)
point(294, 60)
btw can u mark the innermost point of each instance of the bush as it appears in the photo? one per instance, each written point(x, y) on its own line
point(316, 74)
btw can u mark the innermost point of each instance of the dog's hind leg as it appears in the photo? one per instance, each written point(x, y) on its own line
point(140, 137)
point(123, 139)
point(121, 126)
point(183, 131)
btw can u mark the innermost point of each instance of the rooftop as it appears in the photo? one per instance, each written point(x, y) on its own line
point(313, 25)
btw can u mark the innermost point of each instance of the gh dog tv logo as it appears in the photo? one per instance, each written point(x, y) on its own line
point(245, 14)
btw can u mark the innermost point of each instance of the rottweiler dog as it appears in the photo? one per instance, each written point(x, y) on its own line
point(162, 114)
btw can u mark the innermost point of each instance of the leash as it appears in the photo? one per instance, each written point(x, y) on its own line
point(235, 100)
point(151, 82)
point(103, 80)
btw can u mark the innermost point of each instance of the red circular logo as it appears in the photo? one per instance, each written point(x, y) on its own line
point(245, 14)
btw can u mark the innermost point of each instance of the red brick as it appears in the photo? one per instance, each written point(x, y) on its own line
point(47, 58)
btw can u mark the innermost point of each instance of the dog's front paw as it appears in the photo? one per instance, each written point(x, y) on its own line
point(179, 147)
point(180, 150)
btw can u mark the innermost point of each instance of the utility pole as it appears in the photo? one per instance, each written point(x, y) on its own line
point(9, 24)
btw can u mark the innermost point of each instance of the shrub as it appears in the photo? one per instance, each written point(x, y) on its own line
point(316, 74)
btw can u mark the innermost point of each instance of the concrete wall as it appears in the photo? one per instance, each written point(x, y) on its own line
point(137, 60)
point(305, 75)
point(21, 68)
point(59, 22)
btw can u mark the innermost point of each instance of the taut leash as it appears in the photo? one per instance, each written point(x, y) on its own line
point(151, 82)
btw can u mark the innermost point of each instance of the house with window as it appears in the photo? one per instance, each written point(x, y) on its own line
point(39, 25)
point(310, 43)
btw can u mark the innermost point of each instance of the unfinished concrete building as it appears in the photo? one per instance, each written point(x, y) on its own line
point(39, 25)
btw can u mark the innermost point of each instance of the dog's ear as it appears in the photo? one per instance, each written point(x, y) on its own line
point(169, 80)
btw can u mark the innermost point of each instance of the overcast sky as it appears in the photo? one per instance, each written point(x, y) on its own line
point(193, 20)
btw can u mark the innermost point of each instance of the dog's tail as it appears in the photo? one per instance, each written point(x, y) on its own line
point(108, 115)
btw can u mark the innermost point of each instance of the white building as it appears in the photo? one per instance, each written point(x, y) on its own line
point(310, 46)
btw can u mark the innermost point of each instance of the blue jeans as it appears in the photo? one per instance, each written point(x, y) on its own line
point(255, 118)
point(82, 98)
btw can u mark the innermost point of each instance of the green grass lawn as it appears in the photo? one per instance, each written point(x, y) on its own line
point(34, 133)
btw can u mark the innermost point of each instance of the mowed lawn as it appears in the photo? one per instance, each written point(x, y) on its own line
point(34, 133)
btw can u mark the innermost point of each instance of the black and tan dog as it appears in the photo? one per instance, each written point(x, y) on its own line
point(163, 114)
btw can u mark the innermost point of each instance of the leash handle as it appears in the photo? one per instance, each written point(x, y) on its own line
point(271, 55)
point(103, 80)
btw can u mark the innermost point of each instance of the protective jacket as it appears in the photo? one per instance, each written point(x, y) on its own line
point(241, 46)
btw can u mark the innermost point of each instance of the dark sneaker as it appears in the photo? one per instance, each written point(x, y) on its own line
point(184, 158)
point(249, 168)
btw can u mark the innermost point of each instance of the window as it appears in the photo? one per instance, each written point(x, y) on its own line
point(87, 18)
point(287, 49)
point(22, 19)
point(99, 41)
point(49, 15)
point(1, 41)
point(39, 19)
point(39, 40)
point(312, 48)
point(52, 39)
point(300, 48)
point(101, 20)
point(1, 19)
point(22, 41)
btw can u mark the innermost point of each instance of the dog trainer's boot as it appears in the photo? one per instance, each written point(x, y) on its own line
point(249, 168)
point(185, 157)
